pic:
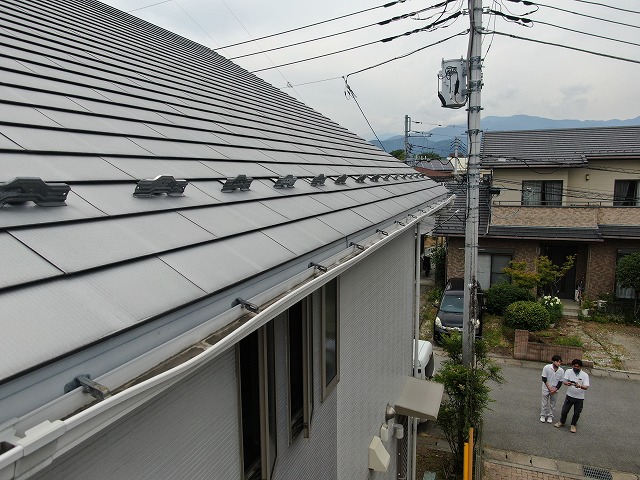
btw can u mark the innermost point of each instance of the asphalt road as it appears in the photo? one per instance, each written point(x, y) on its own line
point(608, 430)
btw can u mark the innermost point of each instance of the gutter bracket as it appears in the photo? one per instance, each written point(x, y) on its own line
point(247, 305)
point(359, 247)
point(322, 268)
point(88, 386)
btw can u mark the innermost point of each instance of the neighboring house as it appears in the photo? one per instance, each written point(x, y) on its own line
point(559, 193)
point(201, 276)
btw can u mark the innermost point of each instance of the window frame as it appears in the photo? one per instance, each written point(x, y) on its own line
point(545, 189)
point(266, 404)
point(306, 370)
point(626, 201)
point(329, 385)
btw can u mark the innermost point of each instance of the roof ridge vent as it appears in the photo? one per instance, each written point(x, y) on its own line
point(285, 182)
point(341, 180)
point(241, 182)
point(34, 189)
point(150, 187)
point(318, 181)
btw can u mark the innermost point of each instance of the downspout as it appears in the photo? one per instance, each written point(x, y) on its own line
point(416, 337)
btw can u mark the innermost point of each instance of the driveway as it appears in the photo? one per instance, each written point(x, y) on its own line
point(608, 431)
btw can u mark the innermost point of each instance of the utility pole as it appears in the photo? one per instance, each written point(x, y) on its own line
point(470, 313)
point(407, 128)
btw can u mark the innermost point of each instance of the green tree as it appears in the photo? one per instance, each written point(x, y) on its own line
point(628, 275)
point(545, 276)
point(438, 263)
point(466, 393)
point(399, 154)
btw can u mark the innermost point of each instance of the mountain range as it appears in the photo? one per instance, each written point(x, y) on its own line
point(440, 140)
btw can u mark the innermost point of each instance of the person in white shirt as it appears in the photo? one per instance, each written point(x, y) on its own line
point(552, 375)
point(578, 382)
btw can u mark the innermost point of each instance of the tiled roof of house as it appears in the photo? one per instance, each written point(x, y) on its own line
point(98, 100)
point(453, 224)
point(547, 233)
point(566, 147)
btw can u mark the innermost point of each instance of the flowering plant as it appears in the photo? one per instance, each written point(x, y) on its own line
point(553, 306)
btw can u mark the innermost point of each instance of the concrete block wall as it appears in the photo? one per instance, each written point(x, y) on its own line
point(525, 350)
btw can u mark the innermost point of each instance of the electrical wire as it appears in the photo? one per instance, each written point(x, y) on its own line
point(383, 40)
point(608, 6)
point(149, 6)
point(591, 52)
point(386, 5)
point(324, 37)
point(350, 94)
point(530, 22)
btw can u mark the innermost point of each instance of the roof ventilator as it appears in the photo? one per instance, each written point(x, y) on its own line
point(241, 182)
point(252, 307)
point(151, 187)
point(341, 180)
point(88, 386)
point(361, 179)
point(376, 177)
point(34, 189)
point(382, 232)
point(322, 268)
point(359, 247)
point(318, 181)
point(285, 182)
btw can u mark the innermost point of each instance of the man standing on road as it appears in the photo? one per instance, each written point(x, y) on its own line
point(552, 376)
point(578, 382)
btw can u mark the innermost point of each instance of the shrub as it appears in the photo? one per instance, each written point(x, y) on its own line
point(553, 306)
point(501, 295)
point(571, 341)
point(527, 315)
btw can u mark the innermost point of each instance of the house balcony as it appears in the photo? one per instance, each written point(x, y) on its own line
point(586, 215)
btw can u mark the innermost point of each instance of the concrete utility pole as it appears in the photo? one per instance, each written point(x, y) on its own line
point(407, 128)
point(470, 314)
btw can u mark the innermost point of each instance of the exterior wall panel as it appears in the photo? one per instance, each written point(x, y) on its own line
point(376, 325)
point(188, 432)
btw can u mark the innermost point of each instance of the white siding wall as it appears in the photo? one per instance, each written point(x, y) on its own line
point(189, 432)
point(376, 325)
point(313, 457)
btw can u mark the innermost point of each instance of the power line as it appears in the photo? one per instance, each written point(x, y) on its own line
point(530, 22)
point(615, 57)
point(386, 5)
point(324, 37)
point(383, 40)
point(349, 93)
point(607, 6)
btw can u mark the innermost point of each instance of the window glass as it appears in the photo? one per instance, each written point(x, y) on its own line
point(330, 336)
point(625, 193)
point(542, 192)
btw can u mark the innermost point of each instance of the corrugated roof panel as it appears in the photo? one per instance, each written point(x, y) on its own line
point(140, 168)
point(335, 201)
point(31, 214)
point(288, 169)
point(216, 265)
point(204, 120)
point(259, 190)
point(284, 157)
point(233, 219)
point(303, 236)
point(95, 123)
point(300, 207)
point(85, 245)
point(362, 195)
point(371, 212)
point(346, 222)
point(20, 265)
point(36, 139)
point(55, 168)
point(236, 153)
point(123, 111)
point(168, 148)
point(45, 84)
point(26, 115)
point(226, 169)
point(185, 134)
point(118, 199)
point(36, 98)
point(67, 314)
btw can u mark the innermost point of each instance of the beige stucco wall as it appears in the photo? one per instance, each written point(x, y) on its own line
point(597, 190)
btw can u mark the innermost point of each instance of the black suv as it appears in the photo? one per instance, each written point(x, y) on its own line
point(449, 316)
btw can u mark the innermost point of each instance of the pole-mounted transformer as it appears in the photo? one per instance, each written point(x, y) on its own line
point(452, 83)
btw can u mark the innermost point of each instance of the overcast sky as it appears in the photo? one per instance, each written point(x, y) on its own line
point(520, 77)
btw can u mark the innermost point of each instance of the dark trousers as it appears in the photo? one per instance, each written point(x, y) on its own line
point(569, 402)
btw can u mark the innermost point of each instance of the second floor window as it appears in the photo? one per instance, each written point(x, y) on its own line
point(626, 193)
point(542, 192)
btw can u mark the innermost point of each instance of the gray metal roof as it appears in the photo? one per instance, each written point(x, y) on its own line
point(565, 147)
point(98, 99)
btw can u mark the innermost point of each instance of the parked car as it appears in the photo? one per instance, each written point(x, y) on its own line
point(425, 359)
point(449, 315)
